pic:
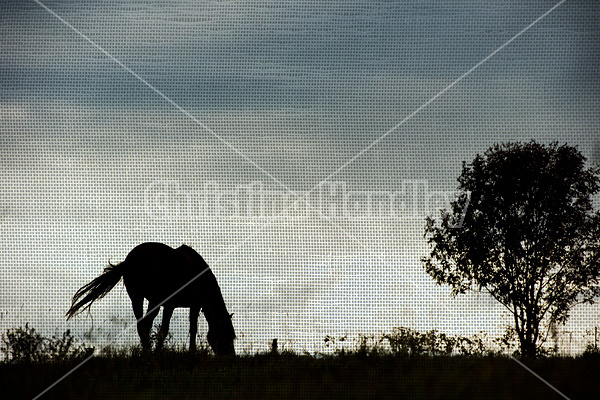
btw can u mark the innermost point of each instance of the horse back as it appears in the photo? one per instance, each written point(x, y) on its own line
point(156, 271)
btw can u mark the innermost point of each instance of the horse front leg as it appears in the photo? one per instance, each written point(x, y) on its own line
point(164, 327)
point(194, 313)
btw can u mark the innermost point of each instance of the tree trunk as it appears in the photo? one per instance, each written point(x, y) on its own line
point(528, 346)
point(527, 338)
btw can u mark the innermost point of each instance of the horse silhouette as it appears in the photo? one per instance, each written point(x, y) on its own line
point(169, 278)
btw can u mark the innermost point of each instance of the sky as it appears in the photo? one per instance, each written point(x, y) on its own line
point(131, 130)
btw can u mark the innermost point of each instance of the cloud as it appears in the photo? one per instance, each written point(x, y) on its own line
point(248, 55)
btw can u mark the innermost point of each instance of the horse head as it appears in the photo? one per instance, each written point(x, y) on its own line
point(221, 336)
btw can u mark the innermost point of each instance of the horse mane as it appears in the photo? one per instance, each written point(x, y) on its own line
point(214, 308)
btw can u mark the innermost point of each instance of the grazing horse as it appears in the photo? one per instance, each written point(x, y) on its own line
point(169, 278)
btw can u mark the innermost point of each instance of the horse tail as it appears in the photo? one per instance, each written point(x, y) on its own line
point(96, 289)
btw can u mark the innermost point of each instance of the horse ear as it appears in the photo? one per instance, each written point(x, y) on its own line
point(231, 315)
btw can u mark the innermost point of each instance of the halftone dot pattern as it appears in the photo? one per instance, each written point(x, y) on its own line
point(94, 162)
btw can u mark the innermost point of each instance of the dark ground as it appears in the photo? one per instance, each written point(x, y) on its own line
point(289, 376)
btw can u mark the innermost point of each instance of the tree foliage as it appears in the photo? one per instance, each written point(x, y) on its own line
point(529, 236)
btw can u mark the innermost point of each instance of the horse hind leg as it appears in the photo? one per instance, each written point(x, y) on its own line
point(164, 327)
point(138, 311)
point(194, 313)
point(144, 324)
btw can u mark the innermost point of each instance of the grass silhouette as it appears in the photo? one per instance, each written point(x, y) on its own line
point(365, 372)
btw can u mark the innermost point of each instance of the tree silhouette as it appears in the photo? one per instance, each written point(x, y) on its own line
point(529, 236)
